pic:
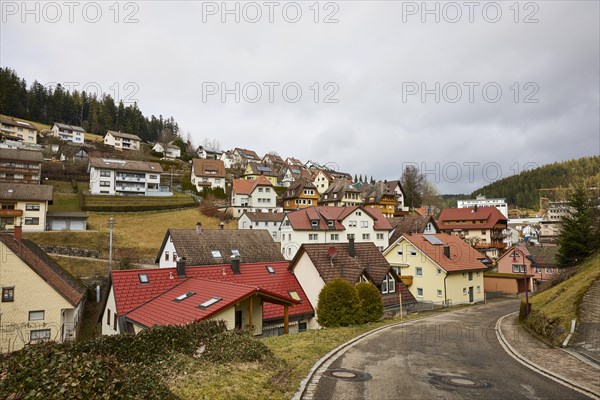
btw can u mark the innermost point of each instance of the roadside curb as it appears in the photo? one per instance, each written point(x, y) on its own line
point(511, 351)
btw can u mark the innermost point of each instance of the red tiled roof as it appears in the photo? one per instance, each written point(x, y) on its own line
point(463, 257)
point(242, 186)
point(130, 293)
point(449, 216)
point(301, 219)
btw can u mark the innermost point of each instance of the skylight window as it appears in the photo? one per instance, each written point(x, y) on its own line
point(184, 296)
point(270, 269)
point(216, 253)
point(294, 295)
point(235, 252)
point(143, 278)
point(209, 303)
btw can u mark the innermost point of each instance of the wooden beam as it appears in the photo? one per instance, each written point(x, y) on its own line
point(286, 323)
point(250, 316)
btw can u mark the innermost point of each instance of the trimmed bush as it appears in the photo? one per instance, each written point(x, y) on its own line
point(339, 304)
point(371, 303)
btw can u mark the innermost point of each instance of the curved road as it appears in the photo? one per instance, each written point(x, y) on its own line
point(453, 356)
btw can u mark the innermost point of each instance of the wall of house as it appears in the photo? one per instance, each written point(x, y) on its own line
point(457, 282)
point(311, 283)
point(31, 293)
point(27, 214)
point(168, 257)
point(273, 227)
point(149, 184)
point(28, 135)
point(505, 285)
point(108, 315)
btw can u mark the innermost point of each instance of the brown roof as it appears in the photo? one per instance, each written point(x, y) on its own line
point(69, 127)
point(125, 135)
point(450, 218)
point(254, 245)
point(247, 154)
point(261, 169)
point(126, 165)
point(301, 219)
point(540, 256)
point(392, 185)
point(21, 155)
point(264, 216)
point(368, 260)
point(273, 158)
point(48, 270)
point(243, 186)
point(463, 257)
point(15, 122)
point(339, 187)
point(410, 224)
point(375, 192)
point(24, 191)
point(209, 168)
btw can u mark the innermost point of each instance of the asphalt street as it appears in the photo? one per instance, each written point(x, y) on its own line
point(453, 355)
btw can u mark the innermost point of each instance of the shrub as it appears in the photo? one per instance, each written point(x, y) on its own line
point(339, 304)
point(371, 303)
point(236, 346)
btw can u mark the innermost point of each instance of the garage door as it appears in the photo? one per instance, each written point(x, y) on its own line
point(58, 225)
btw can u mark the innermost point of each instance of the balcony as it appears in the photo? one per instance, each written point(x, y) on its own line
point(11, 213)
point(490, 245)
point(130, 188)
point(21, 170)
point(13, 180)
point(407, 279)
point(131, 178)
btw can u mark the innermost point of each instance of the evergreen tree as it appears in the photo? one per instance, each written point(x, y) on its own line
point(412, 182)
point(580, 235)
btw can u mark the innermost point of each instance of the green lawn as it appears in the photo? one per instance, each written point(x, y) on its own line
point(65, 202)
point(557, 306)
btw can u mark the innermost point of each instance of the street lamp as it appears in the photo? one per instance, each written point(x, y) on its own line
point(514, 254)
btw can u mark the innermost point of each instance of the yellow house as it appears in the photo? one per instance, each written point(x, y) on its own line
point(438, 268)
point(256, 170)
point(380, 196)
point(25, 204)
point(302, 193)
point(40, 301)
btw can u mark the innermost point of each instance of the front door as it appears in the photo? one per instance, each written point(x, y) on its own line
point(238, 320)
point(470, 294)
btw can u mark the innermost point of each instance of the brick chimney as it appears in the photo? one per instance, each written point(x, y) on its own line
point(351, 249)
point(18, 231)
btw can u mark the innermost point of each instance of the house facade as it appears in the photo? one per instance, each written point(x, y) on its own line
point(482, 227)
point(20, 166)
point(409, 224)
point(205, 153)
point(300, 194)
point(333, 225)
point(256, 170)
point(208, 173)
point(482, 201)
point(540, 263)
point(40, 301)
point(68, 133)
point(396, 188)
point(25, 131)
point(341, 193)
point(438, 268)
point(316, 264)
point(259, 220)
point(126, 178)
point(243, 156)
point(122, 141)
point(169, 150)
point(380, 196)
point(228, 159)
point(26, 205)
point(253, 195)
point(258, 298)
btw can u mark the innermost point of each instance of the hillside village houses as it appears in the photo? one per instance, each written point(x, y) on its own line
point(22, 130)
point(424, 224)
point(260, 220)
point(396, 188)
point(20, 166)
point(341, 193)
point(228, 159)
point(300, 194)
point(243, 156)
point(256, 170)
point(126, 177)
point(438, 268)
point(254, 195)
point(540, 263)
point(40, 301)
point(206, 153)
point(314, 265)
point(122, 141)
point(208, 173)
point(68, 133)
point(333, 225)
point(378, 195)
point(482, 201)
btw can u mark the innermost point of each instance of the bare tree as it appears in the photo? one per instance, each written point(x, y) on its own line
point(211, 144)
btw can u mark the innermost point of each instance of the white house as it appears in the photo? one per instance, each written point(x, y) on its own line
point(260, 220)
point(122, 141)
point(171, 151)
point(333, 225)
point(396, 187)
point(253, 195)
point(208, 173)
point(228, 159)
point(322, 181)
point(20, 129)
point(69, 133)
point(206, 153)
point(24, 204)
point(482, 201)
point(126, 177)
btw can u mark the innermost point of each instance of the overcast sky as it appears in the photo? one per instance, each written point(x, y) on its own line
point(383, 84)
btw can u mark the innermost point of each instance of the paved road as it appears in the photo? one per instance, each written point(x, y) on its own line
point(450, 356)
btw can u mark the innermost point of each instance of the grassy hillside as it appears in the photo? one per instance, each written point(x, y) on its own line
point(522, 190)
point(38, 125)
point(552, 310)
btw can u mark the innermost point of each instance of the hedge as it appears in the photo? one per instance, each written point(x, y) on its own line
point(371, 302)
point(339, 304)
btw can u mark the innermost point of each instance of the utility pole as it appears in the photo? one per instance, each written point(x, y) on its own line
point(111, 223)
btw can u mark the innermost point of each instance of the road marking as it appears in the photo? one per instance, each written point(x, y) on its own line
point(511, 351)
